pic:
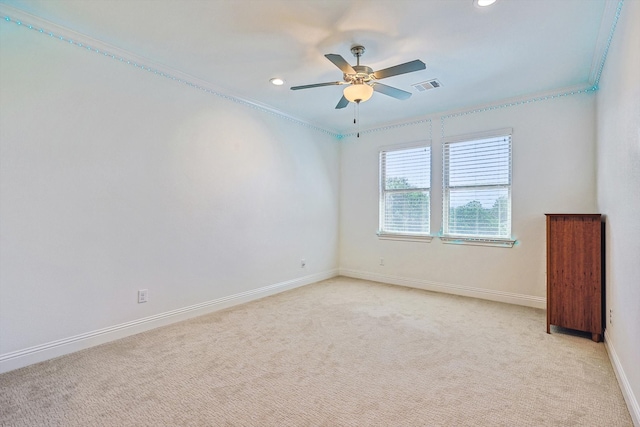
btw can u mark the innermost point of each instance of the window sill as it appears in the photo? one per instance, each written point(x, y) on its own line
point(477, 241)
point(406, 237)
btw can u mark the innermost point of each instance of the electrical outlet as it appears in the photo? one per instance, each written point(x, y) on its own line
point(381, 261)
point(143, 295)
point(303, 263)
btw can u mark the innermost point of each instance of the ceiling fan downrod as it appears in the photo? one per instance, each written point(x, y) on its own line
point(357, 51)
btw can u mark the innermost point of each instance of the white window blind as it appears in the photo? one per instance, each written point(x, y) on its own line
point(477, 188)
point(405, 182)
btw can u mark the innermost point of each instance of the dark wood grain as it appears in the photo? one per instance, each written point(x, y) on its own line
point(574, 272)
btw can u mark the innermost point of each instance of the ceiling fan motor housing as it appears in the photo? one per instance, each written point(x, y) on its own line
point(363, 74)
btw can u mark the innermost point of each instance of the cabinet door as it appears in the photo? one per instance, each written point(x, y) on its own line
point(575, 273)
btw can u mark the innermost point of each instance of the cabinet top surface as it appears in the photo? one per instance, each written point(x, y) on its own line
point(570, 214)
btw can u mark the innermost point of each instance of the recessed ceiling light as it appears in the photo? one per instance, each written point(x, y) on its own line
point(484, 3)
point(276, 81)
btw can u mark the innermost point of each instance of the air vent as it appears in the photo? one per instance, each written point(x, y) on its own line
point(429, 84)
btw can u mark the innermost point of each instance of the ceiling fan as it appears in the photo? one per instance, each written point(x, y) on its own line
point(363, 81)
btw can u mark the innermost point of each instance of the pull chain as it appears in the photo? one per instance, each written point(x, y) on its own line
point(354, 115)
point(358, 115)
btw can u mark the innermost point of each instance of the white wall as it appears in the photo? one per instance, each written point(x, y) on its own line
point(553, 172)
point(618, 130)
point(113, 180)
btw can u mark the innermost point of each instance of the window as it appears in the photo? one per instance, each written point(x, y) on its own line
point(405, 181)
point(477, 189)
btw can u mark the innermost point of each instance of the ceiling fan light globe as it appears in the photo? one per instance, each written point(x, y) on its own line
point(484, 3)
point(358, 92)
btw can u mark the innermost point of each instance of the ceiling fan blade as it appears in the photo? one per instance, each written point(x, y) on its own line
point(407, 67)
point(391, 91)
point(316, 85)
point(341, 63)
point(342, 103)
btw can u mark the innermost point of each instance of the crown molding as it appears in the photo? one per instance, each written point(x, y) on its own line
point(608, 24)
point(95, 46)
point(503, 103)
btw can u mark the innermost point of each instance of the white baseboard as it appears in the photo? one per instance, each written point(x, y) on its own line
point(467, 291)
point(46, 351)
point(623, 381)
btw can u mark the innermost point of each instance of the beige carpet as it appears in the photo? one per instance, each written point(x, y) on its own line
point(342, 352)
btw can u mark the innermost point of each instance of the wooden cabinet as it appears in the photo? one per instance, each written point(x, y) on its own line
point(574, 272)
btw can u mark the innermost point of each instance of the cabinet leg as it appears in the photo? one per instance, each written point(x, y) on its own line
point(596, 337)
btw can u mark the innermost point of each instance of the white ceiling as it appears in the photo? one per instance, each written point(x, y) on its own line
point(514, 48)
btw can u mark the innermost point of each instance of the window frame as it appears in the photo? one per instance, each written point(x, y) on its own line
point(391, 235)
point(487, 240)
